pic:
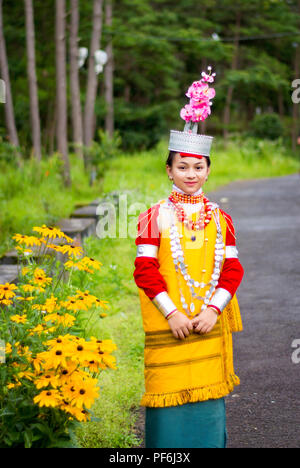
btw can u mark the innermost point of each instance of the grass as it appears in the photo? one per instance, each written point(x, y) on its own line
point(141, 180)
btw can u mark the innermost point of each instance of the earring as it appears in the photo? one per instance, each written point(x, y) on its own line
point(170, 178)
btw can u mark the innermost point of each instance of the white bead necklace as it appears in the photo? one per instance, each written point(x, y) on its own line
point(182, 268)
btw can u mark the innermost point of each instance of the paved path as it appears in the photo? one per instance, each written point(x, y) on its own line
point(264, 411)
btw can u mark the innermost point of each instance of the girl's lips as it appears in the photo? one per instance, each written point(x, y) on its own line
point(190, 183)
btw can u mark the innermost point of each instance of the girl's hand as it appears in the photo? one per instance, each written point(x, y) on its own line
point(180, 325)
point(205, 321)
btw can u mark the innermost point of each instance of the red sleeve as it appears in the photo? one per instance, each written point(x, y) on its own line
point(146, 273)
point(232, 272)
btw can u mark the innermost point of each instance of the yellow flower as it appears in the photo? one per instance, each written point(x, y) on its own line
point(19, 318)
point(91, 262)
point(48, 398)
point(51, 232)
point(37, 364)
point(106, 346)
point(79, 265)
point(66, 320)
point(5, 302)
point(103, 304)
point(8, 348)
point(40, 278)
point(73, 250)
point(54, 358)
point(25, 375)
point(39, 329)
point(49, 378)
point(85, 393)
point(7, 290)
point(103, 315)
point(28, 287)
point(80, 414)
point(27, 240)
point(29, 298)
point(49, 306)
point(82, 350)
point(13, 385)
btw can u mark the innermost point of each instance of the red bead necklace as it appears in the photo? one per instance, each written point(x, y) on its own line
point(205, 212)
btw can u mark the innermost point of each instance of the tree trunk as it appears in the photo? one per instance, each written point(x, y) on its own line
point(61, 88)
point(92, 80)
point(226, 118)
point(74, 81)
point(8, 106)
point(109, 75)
point(33, 92)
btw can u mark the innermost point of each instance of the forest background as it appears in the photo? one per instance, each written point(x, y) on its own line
point(71, 132)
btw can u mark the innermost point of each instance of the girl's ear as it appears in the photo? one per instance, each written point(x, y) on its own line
point(169, 172)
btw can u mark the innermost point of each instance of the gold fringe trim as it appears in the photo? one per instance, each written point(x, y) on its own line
point(193, 395)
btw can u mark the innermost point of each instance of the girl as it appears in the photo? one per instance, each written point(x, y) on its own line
point(187, 271)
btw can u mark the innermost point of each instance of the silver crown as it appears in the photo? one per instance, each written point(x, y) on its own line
point(190, 142)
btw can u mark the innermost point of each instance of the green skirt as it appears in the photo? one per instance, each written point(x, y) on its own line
point(192, 425)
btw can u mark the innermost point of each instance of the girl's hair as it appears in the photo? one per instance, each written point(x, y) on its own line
point(172, 154)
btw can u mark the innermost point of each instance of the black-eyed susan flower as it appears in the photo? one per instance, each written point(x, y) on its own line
point(66, 320)
point(44, 380)
point(91, 262)
point(48, 398)
point(28, 287)
point(38, 330)
point(82, 350)
point(51, 232)
point(100, 303)
point(79, 265)
point(71, 250)
point(40, 279)
point(85, 393)
point(19, 318)
point(27, 240)
point(54, 358)
point(80, 414)
point(7, 290)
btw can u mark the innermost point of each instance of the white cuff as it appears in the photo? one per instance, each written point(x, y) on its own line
point(163, 302)
point(147, 250)
point(231, 252)
point(221, 298)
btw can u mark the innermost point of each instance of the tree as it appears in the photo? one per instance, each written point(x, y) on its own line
point(31, 71)
point(9, 109)
point(92, 79)
point(109, 74)
point(61, 87)
point(74, 81)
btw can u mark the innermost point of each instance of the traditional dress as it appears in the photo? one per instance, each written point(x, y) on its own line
point(199, 368)
point(186, 261)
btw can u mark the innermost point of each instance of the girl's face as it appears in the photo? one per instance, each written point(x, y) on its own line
point(188, 173)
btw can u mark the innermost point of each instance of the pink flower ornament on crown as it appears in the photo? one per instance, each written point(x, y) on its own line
point(189, 142)
point(199, 107)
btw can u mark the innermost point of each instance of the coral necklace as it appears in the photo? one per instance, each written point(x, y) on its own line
point(205, 212)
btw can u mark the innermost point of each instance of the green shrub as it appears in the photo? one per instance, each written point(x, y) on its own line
point(267, 126)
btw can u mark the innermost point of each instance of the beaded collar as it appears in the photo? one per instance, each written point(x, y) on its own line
point(184, 198)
